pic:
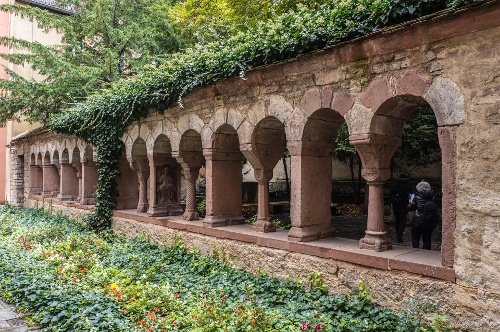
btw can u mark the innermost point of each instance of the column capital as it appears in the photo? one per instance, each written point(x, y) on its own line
point(376, 152)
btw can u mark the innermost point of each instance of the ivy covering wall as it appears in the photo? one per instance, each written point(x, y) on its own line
point(103, 118)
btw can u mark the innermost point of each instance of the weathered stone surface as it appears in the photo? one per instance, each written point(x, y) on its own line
point(447, 102)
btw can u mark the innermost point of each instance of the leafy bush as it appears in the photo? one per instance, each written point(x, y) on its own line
point(72, 279)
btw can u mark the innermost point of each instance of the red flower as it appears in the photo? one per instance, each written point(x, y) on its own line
point(318, 327)
point(176, 295)
point(141, 323)
point(223, 298)
point(304, 326)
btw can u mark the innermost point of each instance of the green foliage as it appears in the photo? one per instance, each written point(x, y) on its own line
point(420, 146)
point(317, 281)
point(70, 278)
point(95, 38)
point(202, 21)
point(202, 206)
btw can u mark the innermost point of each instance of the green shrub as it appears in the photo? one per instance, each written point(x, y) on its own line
point(69, 278)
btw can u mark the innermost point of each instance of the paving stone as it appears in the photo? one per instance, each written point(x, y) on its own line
point(7, 313)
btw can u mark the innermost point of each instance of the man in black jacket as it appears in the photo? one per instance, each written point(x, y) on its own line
point(425, 218)
point(399, 201)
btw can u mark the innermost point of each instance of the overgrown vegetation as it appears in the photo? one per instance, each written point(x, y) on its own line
point(102, 119)
point(70, 278)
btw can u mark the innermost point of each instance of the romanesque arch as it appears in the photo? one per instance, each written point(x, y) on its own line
point(265, 150)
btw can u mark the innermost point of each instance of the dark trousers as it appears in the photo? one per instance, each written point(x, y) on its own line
point(400, 219)
point(425, 234)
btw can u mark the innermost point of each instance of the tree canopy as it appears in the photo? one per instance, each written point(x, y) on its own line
point(102, 41)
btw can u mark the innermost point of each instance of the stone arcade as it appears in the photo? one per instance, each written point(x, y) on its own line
point(450, 62)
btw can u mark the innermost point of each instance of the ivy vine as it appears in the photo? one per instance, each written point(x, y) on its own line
point(103, 118)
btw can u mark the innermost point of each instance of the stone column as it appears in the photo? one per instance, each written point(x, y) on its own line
point(78, 167)
point(223, 188)
point(36, 180)
point(89, 182)
point(140, 164)
point(311, 191)
point(263, 223)
point(50, 180)
point(375, 152)
point(152, 186)
point(68, 190)
point(191, 174)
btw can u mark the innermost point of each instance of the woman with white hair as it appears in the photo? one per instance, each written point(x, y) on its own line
point(425, 218)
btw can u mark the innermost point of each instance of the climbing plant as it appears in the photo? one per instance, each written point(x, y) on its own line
point(103, 118)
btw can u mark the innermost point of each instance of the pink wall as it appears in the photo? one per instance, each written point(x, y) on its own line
point(4, 31)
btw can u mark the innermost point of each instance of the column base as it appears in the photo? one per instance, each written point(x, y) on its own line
point(376, 241)
point(88, 201)
point(190, 215)
point(264, 226)
point(222, 220)
point(141, 208)
point(311, 233)
point(162, 211)
point(66, 197)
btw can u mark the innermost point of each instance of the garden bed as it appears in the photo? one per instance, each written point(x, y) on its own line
point(69, 278)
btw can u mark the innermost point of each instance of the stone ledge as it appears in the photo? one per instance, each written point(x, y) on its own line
point(424, 262)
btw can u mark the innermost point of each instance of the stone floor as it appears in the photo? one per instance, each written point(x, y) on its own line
point(11, 321)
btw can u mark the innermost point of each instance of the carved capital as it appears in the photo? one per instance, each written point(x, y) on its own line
point(375, 152)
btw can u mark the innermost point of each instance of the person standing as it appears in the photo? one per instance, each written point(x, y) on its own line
point(425, 218)
point(399, 200)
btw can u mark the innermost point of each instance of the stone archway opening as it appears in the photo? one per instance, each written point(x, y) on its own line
point(191, 159)
point(397, 144)
point(127, 185)
point(164, 180)
point(224, 162)
point(266, 149)
point(311, 166)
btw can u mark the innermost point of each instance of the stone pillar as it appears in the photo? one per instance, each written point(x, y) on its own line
point(89, 182)
point(17, 180)
point(152, 187)
point(263, 223)
point(127, 185)
point(78, 168)
point(447, 139)
point(140, 164)
point(223, 188)
point(311, 191)
point(68, 190)
point(191, 174)
point(36, 179)
point(50, 180)
point(375, 152)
